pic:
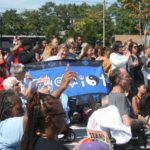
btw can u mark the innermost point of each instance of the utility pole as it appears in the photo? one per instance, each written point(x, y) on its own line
point(103, 23)
point(1, 30)
point(140, 30)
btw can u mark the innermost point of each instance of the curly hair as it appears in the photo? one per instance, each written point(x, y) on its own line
point(8, 99)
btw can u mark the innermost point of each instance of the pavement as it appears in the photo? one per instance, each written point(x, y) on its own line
point(80, 131)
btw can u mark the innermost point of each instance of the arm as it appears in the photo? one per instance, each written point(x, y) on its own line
point(15, 48)
point(135, 106)
point(106, 66)
point(136, 111)
point(25, 119)
point(28, 91)
point(68, 75)
point(81, 55)
point(126, 120)
point(123, 106)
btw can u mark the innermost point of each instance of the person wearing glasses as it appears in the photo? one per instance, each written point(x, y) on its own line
point(135, 66)
point(11, 83)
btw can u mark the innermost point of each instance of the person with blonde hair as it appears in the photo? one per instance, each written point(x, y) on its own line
point(48, 51)
point(62, 53)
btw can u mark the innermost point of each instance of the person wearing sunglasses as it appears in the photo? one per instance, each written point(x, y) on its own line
point(135, 66)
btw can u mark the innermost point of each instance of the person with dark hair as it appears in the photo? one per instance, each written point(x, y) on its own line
point(136, 102)
point(15, 50)
point(135, 66)
point(26, 56)
point(79, 43)
point(117, 58)
point(12, 123)
point(10, 105)
point(45, 120)
point(99, 52)
point(145, 107)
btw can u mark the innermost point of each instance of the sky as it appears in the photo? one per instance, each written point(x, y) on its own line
point(35, 4)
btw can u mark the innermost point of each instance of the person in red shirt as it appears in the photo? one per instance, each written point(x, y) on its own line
point(16, 49)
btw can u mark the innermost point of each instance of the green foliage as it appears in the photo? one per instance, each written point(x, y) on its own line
point(123, 23)
point(138, 9)
point(11, 22)
point(85, 20)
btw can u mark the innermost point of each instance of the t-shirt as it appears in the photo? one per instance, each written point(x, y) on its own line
point(1, 83)
point(121, 102)
point(48, 144)
point(11, 131)
point(16, 61)
point(118, 60)
point(108, 119)
point(52, 58)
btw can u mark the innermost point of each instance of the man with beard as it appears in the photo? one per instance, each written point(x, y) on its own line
point(121, 81)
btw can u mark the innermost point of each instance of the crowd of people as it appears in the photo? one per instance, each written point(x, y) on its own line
point(31, 117)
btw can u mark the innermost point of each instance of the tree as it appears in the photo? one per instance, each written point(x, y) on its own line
point(31, 22)
point(138, 9)
point(50, 20)
point(11, 22)
point(123, 23)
